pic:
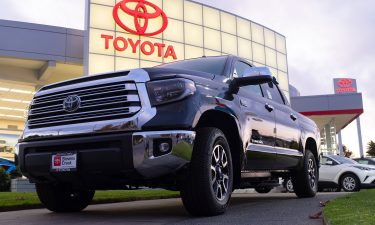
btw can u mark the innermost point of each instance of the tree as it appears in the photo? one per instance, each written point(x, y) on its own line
point(371, 148)
point(346, 151)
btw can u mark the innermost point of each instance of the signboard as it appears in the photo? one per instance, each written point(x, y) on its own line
point(345, 85)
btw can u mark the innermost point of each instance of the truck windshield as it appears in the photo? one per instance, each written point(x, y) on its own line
point(213, 65)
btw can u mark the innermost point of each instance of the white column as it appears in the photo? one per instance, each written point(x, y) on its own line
point(341, 151)
point(86, 39)
point(360, 137)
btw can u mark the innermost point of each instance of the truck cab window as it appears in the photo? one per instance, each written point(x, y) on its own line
point(272, 93)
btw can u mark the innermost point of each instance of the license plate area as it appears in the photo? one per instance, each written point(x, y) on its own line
point(64, 162)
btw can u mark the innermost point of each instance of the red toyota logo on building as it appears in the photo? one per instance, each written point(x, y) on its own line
point(345, 83)
point(141, 17)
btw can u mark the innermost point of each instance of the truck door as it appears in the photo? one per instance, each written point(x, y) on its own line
point(288, 132)
point(259, 124)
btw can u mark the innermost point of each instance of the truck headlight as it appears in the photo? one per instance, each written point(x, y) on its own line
point(165, 91)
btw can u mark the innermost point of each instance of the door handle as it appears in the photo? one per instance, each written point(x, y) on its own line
point(293, 117)
point(269, 107)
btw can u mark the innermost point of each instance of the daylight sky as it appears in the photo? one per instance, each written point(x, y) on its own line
point(325, 39)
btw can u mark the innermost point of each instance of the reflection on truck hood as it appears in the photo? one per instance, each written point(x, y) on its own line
point(162, 73)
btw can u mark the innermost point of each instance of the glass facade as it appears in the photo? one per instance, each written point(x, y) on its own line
point(193, 30)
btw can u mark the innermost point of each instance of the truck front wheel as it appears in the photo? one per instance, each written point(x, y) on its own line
point(208, 186)
point(58, 198)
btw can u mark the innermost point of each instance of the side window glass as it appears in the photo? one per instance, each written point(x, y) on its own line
point(240, 70)
point(272, 93)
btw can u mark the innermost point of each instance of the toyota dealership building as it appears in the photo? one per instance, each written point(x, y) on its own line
point(122, 35)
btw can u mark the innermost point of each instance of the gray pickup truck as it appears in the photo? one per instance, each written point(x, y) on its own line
point(203, 126)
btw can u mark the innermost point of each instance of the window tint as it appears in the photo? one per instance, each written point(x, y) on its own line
point(213, 65)
point(272, 93)
point(240, 70)
point(326, 161)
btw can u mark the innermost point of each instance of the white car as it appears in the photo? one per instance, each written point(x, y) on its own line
point(340, 172)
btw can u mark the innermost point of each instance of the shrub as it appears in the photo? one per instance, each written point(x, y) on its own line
point(4, 180)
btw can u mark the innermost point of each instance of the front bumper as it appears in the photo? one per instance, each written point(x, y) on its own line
point(108, 158)
point(368, 180)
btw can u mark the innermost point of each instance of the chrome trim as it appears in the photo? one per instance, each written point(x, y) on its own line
point(130, 110)
point(131, 87)
point(261, 148)
point(150, 166)
point(273, 150)
point(287, 151)
point(133, 123)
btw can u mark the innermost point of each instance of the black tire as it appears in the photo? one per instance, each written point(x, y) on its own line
point(263, 190)
point(350, 183)
point(201, 190)
point(289, 185)
point(305, 180)
point(58, 198)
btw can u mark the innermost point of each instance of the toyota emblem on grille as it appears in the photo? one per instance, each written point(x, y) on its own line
point(72, 103)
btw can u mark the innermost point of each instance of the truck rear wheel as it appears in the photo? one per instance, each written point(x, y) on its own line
point(58, 198)
point(305, 180)
point(208, 186)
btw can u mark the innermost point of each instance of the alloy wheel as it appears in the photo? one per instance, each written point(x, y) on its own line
point(349, 183)
point(312, 173)
point(219, 172)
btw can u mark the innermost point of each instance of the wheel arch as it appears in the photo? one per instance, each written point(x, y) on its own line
point(228, 124)
point(313, 147)
point(347, 173)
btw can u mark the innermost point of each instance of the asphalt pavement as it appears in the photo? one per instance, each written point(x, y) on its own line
point(267, 209)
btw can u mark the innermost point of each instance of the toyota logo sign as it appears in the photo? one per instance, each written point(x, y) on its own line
point(345, 85)
point(141, 16)
point(72, 103)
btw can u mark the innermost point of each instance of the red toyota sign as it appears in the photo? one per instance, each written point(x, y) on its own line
point(140, 13)
point(345, 85)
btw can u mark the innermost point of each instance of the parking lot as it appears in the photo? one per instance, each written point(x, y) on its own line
point(274, 208)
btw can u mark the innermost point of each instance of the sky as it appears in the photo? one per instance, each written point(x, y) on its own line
point(326, 39)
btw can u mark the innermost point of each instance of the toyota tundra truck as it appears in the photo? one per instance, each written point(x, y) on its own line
point(204, 127)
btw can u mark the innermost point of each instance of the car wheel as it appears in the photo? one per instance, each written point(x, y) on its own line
point(305, 180)
point(208, 187)
point(289, 186)
point(263, 190)
point(58, 198)
point(349, 183)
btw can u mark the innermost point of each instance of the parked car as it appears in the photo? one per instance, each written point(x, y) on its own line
point(341, 172)
point(366, 161)
point(202, 126)
point(7, 165)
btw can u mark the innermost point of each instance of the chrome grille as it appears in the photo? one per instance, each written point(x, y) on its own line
point(100, 102)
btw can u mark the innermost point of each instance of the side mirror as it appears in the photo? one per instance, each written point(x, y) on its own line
point(246, 81)
point(257, 71)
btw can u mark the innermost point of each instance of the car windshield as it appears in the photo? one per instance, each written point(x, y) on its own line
point(213, 65)
point(343, 160)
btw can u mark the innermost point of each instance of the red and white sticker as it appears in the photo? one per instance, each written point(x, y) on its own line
point(64, 162)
